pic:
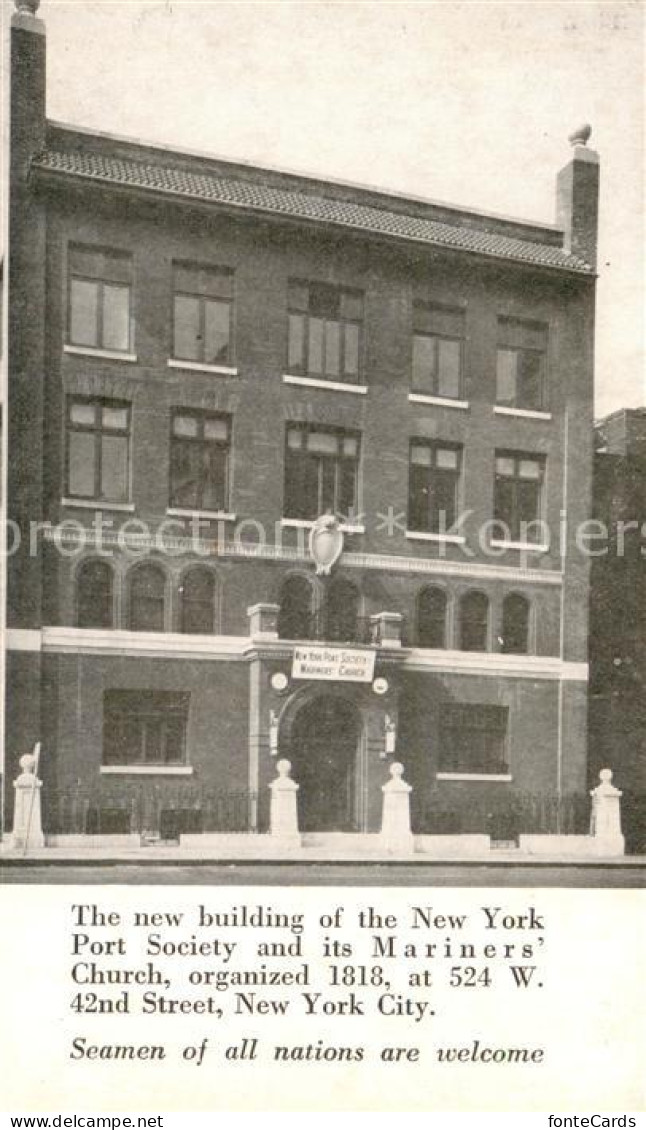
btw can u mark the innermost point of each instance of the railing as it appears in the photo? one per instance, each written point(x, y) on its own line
point(326, 628)
point(502, 815)
point(161, 810)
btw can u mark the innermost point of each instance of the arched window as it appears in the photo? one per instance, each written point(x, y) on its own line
point(146, 612)
point(94, 595)
point(431, 618)
point(342, 609)
point(197, 593)
point(515, 625)
point(295, 619)
point(474, 622)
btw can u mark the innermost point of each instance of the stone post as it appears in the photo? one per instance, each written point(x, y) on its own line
point(283, 813)
point(605, 818)
point(396, 835)
point(263, 621)
point(387, 628)
point(27, 825)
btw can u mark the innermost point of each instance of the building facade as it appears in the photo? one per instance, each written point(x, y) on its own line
point(204, 359)
point(618, 615)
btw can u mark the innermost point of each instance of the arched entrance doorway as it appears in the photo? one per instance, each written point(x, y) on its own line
point(324, 747)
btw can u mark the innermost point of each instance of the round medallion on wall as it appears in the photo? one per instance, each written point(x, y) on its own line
point(380, 685)
point(279, 681)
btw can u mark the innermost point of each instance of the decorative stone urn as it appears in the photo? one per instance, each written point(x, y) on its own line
point(27, 7)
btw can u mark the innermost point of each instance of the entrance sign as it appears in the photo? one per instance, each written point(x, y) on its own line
point(334, 664)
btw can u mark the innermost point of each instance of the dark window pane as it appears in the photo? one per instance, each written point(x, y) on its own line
point(214, 488)
point(474, 615)
point(424, 364)
point(332, 349)
point(515, 625)
point(504, 502)
point(351, 354)
point(187, 344)
point(506, 377)
point(473, 739)
point(198, 602)
point(185, 475)
point(315, 349)
point(174, 740)
point(431, 618)
point(449, 368)
point(323, 300)
point(84, 305)
point(144, 727)
point(295, 616)
point(528, 504)
point(327, 470)
point(295, 358)
point(418, 502)
point(352, 305)
point(342, 608)
point(347, 500)
point(217, 318)
point(530, 381)
point(81, 469)
point(114, 468)
point(147, 600)
point(116, 317)
point(95, 595)
point(444, 499)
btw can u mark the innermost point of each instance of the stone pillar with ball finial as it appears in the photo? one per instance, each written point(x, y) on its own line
point(27, 823)
point(283, 812)
point(396, 835)
point(577, 198)
point(605, 818)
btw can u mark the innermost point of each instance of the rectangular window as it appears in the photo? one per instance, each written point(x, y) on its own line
point(473, 739)
point(99, 302)
point(144, 728)
point(518, 490)
point(98, 449)
point(199, 460)
point(202, 314)
point(324, 331)
point(321, 472)
point(434, 476)
point(521, 366)
point(438, 344)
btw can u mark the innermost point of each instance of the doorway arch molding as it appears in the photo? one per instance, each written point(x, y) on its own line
point(306, 696)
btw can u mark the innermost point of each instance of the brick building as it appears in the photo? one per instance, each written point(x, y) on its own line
point(206, 357)
point(618, 615)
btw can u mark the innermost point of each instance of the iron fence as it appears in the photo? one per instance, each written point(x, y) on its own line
point(504, 817)
point(162, 811)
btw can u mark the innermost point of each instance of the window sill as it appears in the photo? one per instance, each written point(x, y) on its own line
point(149, 770)
point(330, 386)
point(523, 413)
point(199, 367)
point(210, 515)
point(440, 401)
point(106, 354)
point(524, 546)
point(449, 539)
point(307, 524)
point(98, 504)
point(473, 776)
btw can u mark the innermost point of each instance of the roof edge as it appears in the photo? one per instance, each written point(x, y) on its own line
point(392, 199)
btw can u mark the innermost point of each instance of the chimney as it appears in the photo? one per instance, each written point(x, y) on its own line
point(577, 198)
point(27, 106)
